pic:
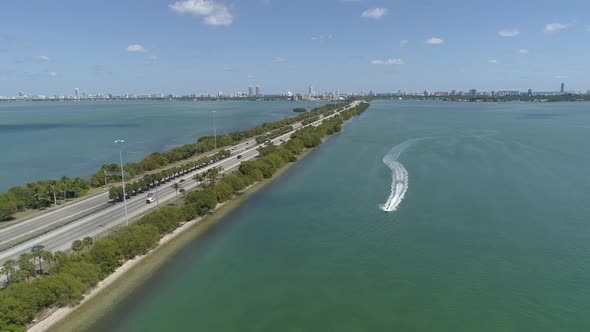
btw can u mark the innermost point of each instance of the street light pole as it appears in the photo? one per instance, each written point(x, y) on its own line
point(214, 131)
point(157, 196)
point(123, 180)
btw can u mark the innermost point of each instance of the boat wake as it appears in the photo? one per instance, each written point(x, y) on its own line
point(399, 175)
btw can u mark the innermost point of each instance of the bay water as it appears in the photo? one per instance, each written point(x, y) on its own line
point(47, 140)
point(489, 231)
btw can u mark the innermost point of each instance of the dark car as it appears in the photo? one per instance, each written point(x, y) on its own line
point(239, 156)
point(182, 180)
point(181, 190)
point(37, 247)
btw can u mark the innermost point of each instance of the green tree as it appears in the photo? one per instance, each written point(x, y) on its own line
point(9, 268)
point(77, 246)
point(26, 265)
point(8, 206)
point(199, 177)
point(87, 241)
point(47, 256)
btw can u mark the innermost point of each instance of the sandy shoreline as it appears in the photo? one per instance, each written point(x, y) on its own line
point(62, 313)
point(132, 273)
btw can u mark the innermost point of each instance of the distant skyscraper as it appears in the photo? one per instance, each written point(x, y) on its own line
point(251, 91)
point(562, 87)
point(530, 93)
point(311, 90)
point(77, 93)
point(258, 91)
point(472, 92)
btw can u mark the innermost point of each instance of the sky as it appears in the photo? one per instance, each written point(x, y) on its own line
point(206, 46)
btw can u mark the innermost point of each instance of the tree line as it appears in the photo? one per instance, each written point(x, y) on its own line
point(43, 194)
point(67, 277)
point(204, 144)
point(39, 195)
point(155, 179)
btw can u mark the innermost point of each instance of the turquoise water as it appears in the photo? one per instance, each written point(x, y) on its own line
point(43, 140)
point(492, 234)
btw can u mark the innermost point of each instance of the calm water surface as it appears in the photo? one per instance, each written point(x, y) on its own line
point(493, 233)
point(46, 140)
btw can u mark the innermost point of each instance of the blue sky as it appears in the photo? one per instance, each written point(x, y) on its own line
point(205, 46)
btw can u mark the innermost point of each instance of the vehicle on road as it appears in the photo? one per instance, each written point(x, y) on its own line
point(150, 199)
point(239, 156)
point(37, 247)
point(181, 190)
point(182, 180)
point(150, 194)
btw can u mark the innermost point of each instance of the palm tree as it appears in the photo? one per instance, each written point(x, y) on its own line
point(59, 257)
point(47, 256)
point(87, 241)
point(53, 185)
point(64, 185)
point(77, 246)
point(9, 268)
point(176, 186)
point(37, 258)
point(199, 177)
point(25, 265)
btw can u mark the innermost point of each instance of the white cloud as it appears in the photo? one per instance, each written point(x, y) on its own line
point(557, 27)
point(279, 60)
point(523, 51)
point(53, 74)
point(136, 48)
point(213, 13)
point(375, 13)
point(509, 33)
point(403, 43)
point(323, 38)
point(42, 58)
point(388, 62)
point(435, 41)
point(493, 61)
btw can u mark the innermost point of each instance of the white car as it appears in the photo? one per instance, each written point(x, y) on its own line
point(150, 200)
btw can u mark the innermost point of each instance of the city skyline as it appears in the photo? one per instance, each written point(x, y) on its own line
point(212, 45)
point(256, 92)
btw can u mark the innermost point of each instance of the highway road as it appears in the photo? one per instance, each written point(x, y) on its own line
point(69, 212)
point(112, 215)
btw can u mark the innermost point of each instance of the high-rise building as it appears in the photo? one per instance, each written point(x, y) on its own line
point(530, 93)
point(472, 92)
point(258, 91)
point(77, 93)
point(251, 91)
point(562, 87)
point(310, 90)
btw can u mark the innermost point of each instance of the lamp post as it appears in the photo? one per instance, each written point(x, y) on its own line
point(157, 196)
point(214, 131)
point(123, 180)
